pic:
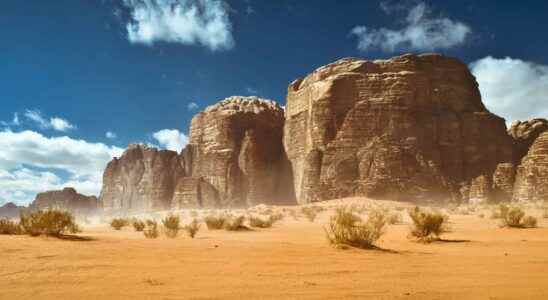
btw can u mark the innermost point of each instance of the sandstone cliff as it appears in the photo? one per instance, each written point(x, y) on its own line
point(10, 210)
point(236, 149)
point(142, 179)
point(66, 199)
point(411, 127)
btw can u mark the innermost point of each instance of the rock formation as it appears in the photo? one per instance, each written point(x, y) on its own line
point(10, 210)
point(66, 199)
point(532, 175)
point(411, 127)
point(524, 134)
point(236, 149)
point(142, 179)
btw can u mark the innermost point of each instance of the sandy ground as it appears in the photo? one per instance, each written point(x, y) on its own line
point(292, 260)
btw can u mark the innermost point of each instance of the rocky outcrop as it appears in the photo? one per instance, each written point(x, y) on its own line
point(236, 150)
point(411, 127)
point(67, 199)
point(142, 179)
point(524, 134)
point(10, 210)
point(532, 175)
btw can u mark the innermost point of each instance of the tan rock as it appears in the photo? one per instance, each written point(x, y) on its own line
point(532, 175)
point(67, 199)
point(411, 127)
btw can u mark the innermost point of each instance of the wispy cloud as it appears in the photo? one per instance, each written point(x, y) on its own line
point(513, 88)
point(251, 91)
point(421, 31)
point(55, 123)
point(111, 135)
point(192, 106)
point(188, 22)
point(171, 139)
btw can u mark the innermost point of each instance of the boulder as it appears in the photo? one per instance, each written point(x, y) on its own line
point(142, 179)
point(236, 149)
point(408, 128)
point(67, 199)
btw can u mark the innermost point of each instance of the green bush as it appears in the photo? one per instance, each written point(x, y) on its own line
point(119, 223)
point(151, 229)
point(10, 227)
point(192, 228)
point(427, 226)
point(346, 228)
point(516, 218)
point(171, 225)
point(138, 225)
point(49, 222)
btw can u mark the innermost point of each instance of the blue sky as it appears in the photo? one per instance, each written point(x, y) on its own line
point(74, 70)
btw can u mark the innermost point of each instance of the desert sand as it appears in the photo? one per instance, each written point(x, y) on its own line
point(291, 260)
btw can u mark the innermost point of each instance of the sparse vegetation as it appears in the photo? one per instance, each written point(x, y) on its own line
point(192, 228)
point(310, 213)
point(259, 222)
point(347, 228)
point(138, 225)
point(232, 223)
point(10, 227)
point(516, 218)
point(215, 222)
point(500, 211)
point(119, 223)
point(394, 218)
point(171, 226)
point(151, 229)
point(427, 226)
point(49, 222)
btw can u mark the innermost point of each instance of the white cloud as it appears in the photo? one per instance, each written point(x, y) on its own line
point(60, 124)
point(171, 139)
point(421, 31)
point(31, 162)
point(188, 22)
point(111, 135)
point(513, 88)
point(192, 106)
point(14, 122)
point(55, 123)
point(251, 91)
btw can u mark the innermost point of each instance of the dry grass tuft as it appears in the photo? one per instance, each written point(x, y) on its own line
point(310, 213)
point(171, 225)
point(346, 228)
point(192, 228)
point(151, 229)
point(119, 223)
point(215, 222)
point(427, 226)
point(500, 211)
point(259, 222)
point(232, 223)
point(138, 225)
point(48, 222)
point(516, 218)
point(10, 227)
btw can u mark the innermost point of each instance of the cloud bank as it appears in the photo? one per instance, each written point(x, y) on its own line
point(513, 88)
point(171, 139)
point(421, 31)
point(188, 22)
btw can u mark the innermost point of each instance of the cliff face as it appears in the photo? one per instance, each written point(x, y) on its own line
point(412, 127)
point(532, 174)
point(66, 199)
point(236, 149)
point(142, 179)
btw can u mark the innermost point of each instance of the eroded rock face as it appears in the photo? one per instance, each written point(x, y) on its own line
point(532, 175)
point(67, 199)
point(236, 148)
point(524, 134)
point(142, 179)
point(10, 210)
point(412, 127)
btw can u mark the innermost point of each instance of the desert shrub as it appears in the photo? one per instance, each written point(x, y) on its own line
point(275, 217)
point(151, 229)
point(192, 228)
point(232, 223)
point(138, 225)
point(516, 218)
point(10, 227)
point(427, 226)
point(171, 225)
point(394, 218)
point(215, 222)
point(310, 213)
point(259, 222)
point(347, 228)
point(48, 222)
point(119, 223)
point(500, 211)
